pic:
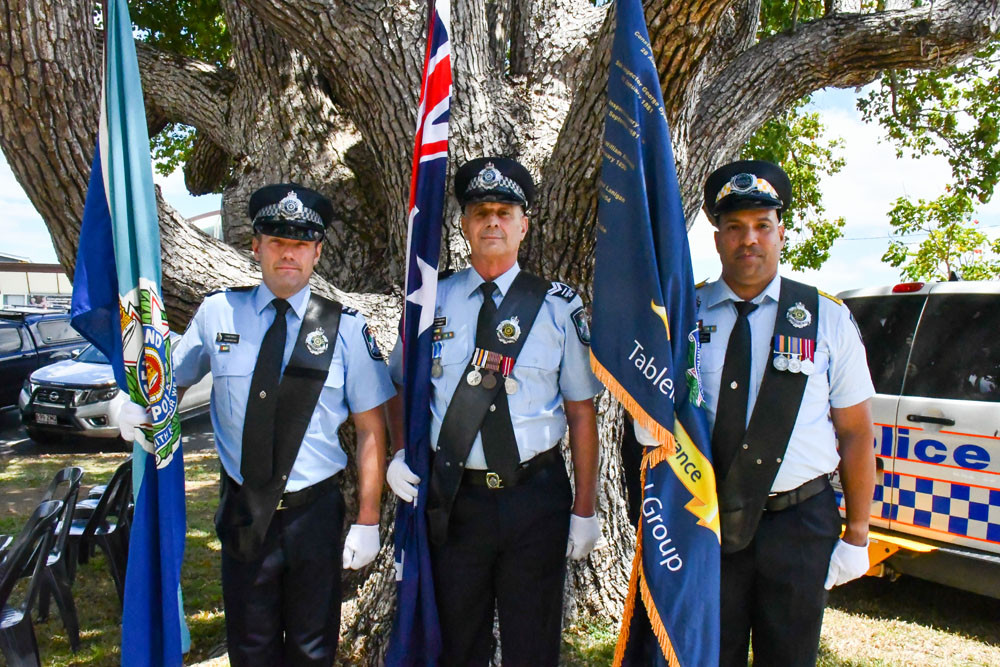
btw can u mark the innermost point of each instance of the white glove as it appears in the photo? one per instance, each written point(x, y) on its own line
point(401, 479)
point(130, 417)
point(584, 531)
point(644, 437)
point(361, 546)
point(847, 563)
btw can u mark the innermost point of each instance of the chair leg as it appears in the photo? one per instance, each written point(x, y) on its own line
point(45, 595)
point(67, 607)
point(18, 645)
point(115, 562)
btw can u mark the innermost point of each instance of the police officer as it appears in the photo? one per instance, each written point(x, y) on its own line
point(788, 391)
point(510, 372)
point(288, 367)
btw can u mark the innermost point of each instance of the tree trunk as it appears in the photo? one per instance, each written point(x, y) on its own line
point(324, 93)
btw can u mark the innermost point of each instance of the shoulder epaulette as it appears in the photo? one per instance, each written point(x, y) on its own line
point(447, 273)
point(347, 310)
point(701, 284)
point(831, 297)
point(242, 288)
point(562, 289)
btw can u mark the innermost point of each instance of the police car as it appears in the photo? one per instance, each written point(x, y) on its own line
point(934, 354)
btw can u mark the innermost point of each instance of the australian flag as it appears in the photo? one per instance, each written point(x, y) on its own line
point(644, 347)
point(416, 636)
point(117, 306)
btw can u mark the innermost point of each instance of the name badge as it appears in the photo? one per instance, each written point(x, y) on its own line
point(227, 338)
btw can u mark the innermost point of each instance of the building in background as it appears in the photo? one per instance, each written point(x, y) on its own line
point(24, 283)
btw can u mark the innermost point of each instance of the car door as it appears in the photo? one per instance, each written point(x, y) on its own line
point(17, 360)
point(886, 322)
point(947, 464)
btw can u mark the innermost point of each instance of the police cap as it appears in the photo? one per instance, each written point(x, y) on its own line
point(290, 211)
point(746, 184)
point(499, 179)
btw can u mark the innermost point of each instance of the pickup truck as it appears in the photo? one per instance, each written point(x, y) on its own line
point(29, 340)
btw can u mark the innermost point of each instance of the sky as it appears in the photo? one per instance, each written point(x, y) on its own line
point(863, 192)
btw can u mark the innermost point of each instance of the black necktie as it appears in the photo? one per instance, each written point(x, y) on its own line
point(258, 426)
point(734, 392)
point(499, 443)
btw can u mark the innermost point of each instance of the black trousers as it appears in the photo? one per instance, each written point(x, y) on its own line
point(284, 608)
point(506, 550)
point(773, 589)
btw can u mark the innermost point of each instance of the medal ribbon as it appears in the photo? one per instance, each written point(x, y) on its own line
point(793, 347)
point(492, 361)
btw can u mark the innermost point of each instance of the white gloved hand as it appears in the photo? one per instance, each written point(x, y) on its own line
point(401, 479)
point(644, 437)
point(130, 417)
point(361, 546)
point(584, 531)
point(847, 563)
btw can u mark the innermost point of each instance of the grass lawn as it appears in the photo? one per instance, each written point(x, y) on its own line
point(870, 622)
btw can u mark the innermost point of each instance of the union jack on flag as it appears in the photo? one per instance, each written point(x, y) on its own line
point(416, 635)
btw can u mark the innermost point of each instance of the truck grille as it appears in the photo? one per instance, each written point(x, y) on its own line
point(53, 396)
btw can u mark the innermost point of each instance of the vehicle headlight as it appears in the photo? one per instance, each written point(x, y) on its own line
point(88, 396)
point(28, 386)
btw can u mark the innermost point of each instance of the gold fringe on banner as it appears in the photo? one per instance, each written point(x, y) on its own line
point(662, 435)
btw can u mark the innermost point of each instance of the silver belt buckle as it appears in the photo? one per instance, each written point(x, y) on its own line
point(493, 480)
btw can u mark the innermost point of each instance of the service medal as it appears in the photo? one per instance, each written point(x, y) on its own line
point(798, 316)
point(436, 369)
point(489, 381)
point(794, 365)
point(474, 377)
point(807, 367)
point(316, 341)
point(509, 331)
point(510, 385)
point(781, 362)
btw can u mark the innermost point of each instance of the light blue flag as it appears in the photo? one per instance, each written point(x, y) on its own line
point(117, 305)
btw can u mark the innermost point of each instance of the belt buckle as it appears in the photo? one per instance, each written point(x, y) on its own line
point(493, 480)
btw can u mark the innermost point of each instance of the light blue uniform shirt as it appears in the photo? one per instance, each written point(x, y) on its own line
point(356, 381)
point(553, 365)
point(840, 378)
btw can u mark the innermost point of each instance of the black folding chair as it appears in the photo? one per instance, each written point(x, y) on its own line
point(5, 541)
point(60, 567)
point(107, 525)
point(29, 551)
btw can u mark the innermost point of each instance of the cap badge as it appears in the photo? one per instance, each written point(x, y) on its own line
point(317, 342)
point(798, 316)
point(509, 330)
point(489, 177)
point(291, 208)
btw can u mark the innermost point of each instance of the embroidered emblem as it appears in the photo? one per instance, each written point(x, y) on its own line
point(509, 331)
point(317, 342)
point(582, 325)
point(372, 344)
point(798, 316)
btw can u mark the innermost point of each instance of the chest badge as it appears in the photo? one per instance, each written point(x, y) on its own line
point(317, 342)
point(798, 316)
point(509, 331)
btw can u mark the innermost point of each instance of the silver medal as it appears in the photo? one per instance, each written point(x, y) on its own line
point(436, 369)
point(489, 381)
point(510, 385)
point(781, 362)
point(474, 377)
point(794, 365)
point(807, 367)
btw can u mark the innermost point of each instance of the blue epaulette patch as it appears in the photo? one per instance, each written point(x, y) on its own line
point(447, 273)
point(563, 290)
point(349, 311)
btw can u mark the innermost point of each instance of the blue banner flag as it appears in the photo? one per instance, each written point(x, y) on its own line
point(416, 635)
point(117, 306)
point(644, 347)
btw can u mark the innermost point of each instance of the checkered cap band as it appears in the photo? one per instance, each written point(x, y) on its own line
point(490, 178)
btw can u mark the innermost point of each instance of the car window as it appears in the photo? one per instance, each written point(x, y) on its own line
point(887, 324)
point(10, 340)
point(92, 355)
point(956, 353)
point(56, 331)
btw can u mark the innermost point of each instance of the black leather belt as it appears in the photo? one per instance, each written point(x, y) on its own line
point(292, 499)
point(780, 501)
point(492, 480)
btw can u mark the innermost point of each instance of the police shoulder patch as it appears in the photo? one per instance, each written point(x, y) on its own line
point(831, 297)
point(372, 344)
point(349, 311)
point(562, 290)
point(581, 322)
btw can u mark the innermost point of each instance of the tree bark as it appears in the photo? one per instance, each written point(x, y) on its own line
point(324, 93)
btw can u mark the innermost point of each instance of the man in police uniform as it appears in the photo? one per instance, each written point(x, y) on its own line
point(510, 371)
point(288, 367)
point(787, 385)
